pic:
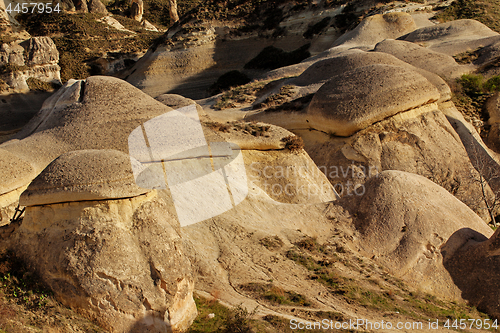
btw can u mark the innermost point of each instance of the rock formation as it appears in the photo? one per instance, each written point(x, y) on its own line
point(136, 10)
point(41, 63)
point(96, 6)
point(376, 28)
point(453, 37)
point(474, 268)
point(345, 104)
point(109, 249)
point(397, 221)
point(81, 6)
point(441, 64)
point(134, 198)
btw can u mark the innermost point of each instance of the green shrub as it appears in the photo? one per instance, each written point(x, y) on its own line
point(472, 84)
point(493, 84)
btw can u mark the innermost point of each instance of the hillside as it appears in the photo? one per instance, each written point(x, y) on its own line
point(259, 166)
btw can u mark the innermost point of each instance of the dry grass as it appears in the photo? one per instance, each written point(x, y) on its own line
point(293, 143)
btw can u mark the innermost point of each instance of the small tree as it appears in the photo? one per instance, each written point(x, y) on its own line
point(486, 173)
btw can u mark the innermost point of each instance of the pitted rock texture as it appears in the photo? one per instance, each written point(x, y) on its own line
point(120, 262)
point(81, 176)
point(347, 104)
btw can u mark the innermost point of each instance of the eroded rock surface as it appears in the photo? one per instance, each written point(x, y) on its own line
point(346, 104)
point(401, 224)
point(119, 259)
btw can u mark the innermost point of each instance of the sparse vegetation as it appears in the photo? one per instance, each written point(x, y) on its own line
point(251, 128)
point(272, 243)
point(38, 85)
point(9, 68)
point(224, 320)
point(218, 126)
point(368, 292)
point(26, 303)
point(293, 143)
point(467, 57)
point(484, 11)
point(80, 40)
point(245, 94)
point(274, 294)
point(276, 100)
point(470, 95)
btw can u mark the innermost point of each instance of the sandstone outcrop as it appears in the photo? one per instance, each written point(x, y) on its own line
point(453, 37)
point(76, 117)
point(11, 53)
point(376, 28)
point(406, 221)
point(493, 109)
point(321, 71)
point(137, 10)
point(118, 259)
point(41, 63)
point(96, 6)
point(441, 64)
point(148, 26)
point(82, 176)
point(346, 104)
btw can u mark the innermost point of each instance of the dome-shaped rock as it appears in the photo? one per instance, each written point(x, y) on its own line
point(376, 28)
point(438, 63)
point(83, 175)
point(346, 103)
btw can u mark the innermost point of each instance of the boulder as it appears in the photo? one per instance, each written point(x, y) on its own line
point(81, 176)
point(137, 10)
point(112, 22)
point(422, 141)
point(406, 221)
point(441, 64)
point(453, 30)
point(96, 6)
point(86, 120)
point(376, 28)
point(346, 104)
point(119, 262)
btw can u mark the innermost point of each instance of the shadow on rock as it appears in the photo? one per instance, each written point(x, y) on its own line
point(473, 262)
